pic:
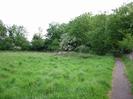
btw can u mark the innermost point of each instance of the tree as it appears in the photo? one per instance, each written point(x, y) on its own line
point(68, 43)
point(127, 43)
point(6, 43)
point(18, 35)
point(100, 33)
point(98, 38)
point(79, 27)
point(37, 42)
point(3, 30)
point(120, 23)
point(54, 33)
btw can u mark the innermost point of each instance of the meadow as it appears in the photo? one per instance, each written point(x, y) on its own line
point(39, 75)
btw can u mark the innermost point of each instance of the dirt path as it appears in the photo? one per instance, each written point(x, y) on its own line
point(120, 85)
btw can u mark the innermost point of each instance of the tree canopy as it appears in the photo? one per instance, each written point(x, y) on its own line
point(102, 33)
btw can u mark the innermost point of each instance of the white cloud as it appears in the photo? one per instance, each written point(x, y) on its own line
point(39, 13)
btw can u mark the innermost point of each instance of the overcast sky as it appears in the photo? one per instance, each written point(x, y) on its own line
point(39, 13)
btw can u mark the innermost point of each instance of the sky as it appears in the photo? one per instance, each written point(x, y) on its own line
point(33, 14)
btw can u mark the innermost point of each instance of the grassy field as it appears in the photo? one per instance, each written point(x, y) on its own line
point(129, 69)
point(37, 75)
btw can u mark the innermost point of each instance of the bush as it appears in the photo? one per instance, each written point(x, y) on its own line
point(82, 49)
point(127, 43)
point(6, 43)
point(68, 43)
point(117, 53)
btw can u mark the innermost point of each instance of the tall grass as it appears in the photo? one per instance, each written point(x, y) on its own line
point(129, 69)
point(37, 75)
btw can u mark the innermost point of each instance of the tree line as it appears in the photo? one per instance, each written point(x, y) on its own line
point(102, 33)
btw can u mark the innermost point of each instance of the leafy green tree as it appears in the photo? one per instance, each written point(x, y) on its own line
point(3, 30)
point(6, 43)
point(54, 33)
point(37, 42)
point(120, 23)
point(99, 35)
point(125, 15)
point(18, 35)
point(127, 43)
point(79, 27)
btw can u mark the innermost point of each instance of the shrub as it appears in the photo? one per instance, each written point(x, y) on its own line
point(82, 49)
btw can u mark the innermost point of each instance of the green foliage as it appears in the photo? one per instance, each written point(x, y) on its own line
point(6, 43)
point(129, 69)
point(121, 24)
point(17, 34)
point(99, 43)
point(98, 37)
point(54, 35)
point(13, 38)
point(127, 42)
point(54, 46)
point(37, 42)
point(68, 43)
point(101, 34)
point(83, 49)
point(79, 27)
point(36, 75)
point(3, 30)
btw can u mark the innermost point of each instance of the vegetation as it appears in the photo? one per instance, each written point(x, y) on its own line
point(37, 42)
point(127, 43)
point(100, 34)
point(129, 69)
point(36, 75)
point(13, 38)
